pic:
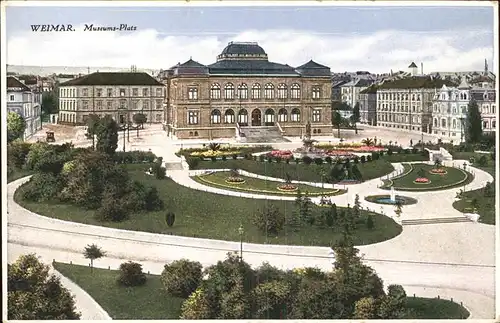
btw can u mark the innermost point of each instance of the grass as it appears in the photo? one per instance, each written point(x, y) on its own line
point(208, 215)
point(149, 301)
point(434, 309)
point(454, 177)
point(18, 173)
point(259, 186)
point(152, 302)
point(404, 158)
point(486, 208)
point(297, 172)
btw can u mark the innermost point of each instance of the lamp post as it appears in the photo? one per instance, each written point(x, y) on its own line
point(241, 231)
point(465, 165)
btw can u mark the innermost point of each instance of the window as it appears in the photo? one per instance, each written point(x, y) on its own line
point(158, 117)
point(123, 104)
point(269, 91)
point(122, 92)
point(229, 91)
point(282, 115)
point(192, 93)
point(215, 116)
point(145, 105)
point(109, 105)
point(215, 91)
point(316, 115)
point(316, 92)
point(243, 117)
point(159, 92)
point(98, 92)
point(110, 92)
point(295, 91)
point(243, 91)
point(493, 124)
point(454, 123)
point(135, 92)
point(256, 91)
point(85, 92)
point(98, 105)
point(193, 117)
point(145, 92)
point(269, 117)
point(159, 104)
point(135, 104)
point(11, 97)
point(485, 124)
point(229, 116)
point(85, 105)
point(282, 91)
point(295, 115)
point(443, 123)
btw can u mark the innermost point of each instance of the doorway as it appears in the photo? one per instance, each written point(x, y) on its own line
point(256, 118)
point(122, 119)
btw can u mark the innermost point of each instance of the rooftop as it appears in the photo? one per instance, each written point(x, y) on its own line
point(113, 78)
point(13, 84)
point(415, 82)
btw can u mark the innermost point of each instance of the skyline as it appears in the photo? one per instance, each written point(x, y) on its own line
point(373, 38)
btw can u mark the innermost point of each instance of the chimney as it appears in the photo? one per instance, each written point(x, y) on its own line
point(422, 68)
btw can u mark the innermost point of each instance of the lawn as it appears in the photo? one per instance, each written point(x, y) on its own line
point(454, 177)
point(18, 173)
point(148, 302)
point(259, 186)
point(486, 204)
point(152, 302)
point(297, 172)
point(404, 158)
point(207, 215)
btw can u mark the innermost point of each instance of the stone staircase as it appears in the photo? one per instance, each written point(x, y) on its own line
point(456, 219)
point(262, 135)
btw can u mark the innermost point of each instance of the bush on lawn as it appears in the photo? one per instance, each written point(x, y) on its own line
point(318, 161)
point(269, 220)
point(17, 152)
point(363, 159)
point(42, 187)
point(307, 160)
point(192, 162)
point(159, 171)
point(182, 277)
point(134, 157)
point(328, 160)
point(131, 274)
point(112, 209)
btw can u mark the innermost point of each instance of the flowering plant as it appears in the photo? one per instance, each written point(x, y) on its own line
point(422, 180)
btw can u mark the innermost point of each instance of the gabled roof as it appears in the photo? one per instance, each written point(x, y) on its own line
point(412, 65)
point(312, 68)
point(190, 67)
point(14, 85)
point(113, 78)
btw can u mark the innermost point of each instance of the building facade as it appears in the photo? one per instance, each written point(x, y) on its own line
point(27, 103)
point(407, 103)
point(368, 106)
point(244, 89)
point(120, 95)
point(486, 102)
point(350, 92)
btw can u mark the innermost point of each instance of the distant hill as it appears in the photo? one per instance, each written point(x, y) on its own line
point(74, 70)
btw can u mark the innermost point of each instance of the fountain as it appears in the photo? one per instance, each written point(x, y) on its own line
point(393, 195)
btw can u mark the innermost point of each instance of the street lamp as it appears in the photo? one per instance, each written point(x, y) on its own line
point(465, 165)
point(241, 231)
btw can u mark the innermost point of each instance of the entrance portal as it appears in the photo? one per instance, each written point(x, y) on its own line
point(256, 118)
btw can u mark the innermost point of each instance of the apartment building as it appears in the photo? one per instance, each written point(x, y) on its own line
point(486, 101)
point(368, 105)
point(407, 103)
point(120, 95)
point(350, 91)
point(26, 102)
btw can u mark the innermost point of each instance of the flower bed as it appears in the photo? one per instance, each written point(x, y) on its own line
point(422, 180)
point(235, 180)
point(214, 153)
point(353, 147)
point(287, 187)
point(438, 171)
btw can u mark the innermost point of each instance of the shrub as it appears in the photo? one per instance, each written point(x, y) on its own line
point(224, 158)
point(17, 151)
point(262, 157)
point(42, 187)
point(235, 156)
point(369, 221)
point(182, 277)
point(152, 201)
point(363, 159)
point(369, 158)
point(192, 162)
point(160, 172)
point(112, 209)
point(328, 159)
point(213, 158)
point(389, 152)
point(170, 219)
point(269, 220)
point(375, 156)
point(356, 159)
point(307, 160)
point(278, 159)
point(482, 161)
point(318, 161)
point(131, 274)
point(381, 153)
point(287, 160)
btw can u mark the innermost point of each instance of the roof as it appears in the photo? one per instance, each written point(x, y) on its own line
point(312, 68)
point(113, 78)
point(480, 79)
point(339, 84)
point(478, 95)
point(412, 65)
point(190, 67)
point(250, 67)
point(243, 48)
point(13, 84)
point(370, 90)
point(416, 82)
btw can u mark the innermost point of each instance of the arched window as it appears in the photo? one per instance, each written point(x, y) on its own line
point(269, 117)
point(295, 91)
point(268, 91)
point(282, 91)
point(229, 116)
point(485, 124)
point(435, 122)
point(454, 123)
point(443, 123)
point(243, 91)
point(295, 115)
point(256, 91)
point(493, 124)
point(215, 116)
point(316, 92)
point(229, 91)
point(215, 91)
point(243, 117)
point(282, 115)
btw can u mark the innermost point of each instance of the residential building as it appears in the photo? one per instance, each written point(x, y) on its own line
point(22, 100)
point(243, 90)
point(350, 91)
point(120, 95)
point(368, 105)
point(486, 101)
point(407, 103)
point(337, 90)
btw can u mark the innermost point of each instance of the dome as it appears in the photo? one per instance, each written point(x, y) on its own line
point(243, 51)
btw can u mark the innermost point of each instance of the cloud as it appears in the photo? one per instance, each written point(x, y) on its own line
point(377, 52)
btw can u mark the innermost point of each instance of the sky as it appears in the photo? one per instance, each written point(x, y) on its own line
point(357, 38)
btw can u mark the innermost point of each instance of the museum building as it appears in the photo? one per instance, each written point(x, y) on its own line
point(244, 90)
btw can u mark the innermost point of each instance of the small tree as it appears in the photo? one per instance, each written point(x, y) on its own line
point(369, 221)
point(337, 121)
point(16, 125)
point(170, 219)
point(140, 119)
point(182, 277)
point(107, 135)
point(356, 210)
point(306, 210)
point(482, 161)
point(365, 309)
point(92, 126)
point(269, 220)
point(474, 129)
point(355, 117)
point(131, 274)
point(93, 252)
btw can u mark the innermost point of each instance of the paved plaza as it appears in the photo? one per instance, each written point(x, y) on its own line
point(454, 260)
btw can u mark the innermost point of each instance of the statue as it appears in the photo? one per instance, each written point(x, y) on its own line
point(307, 141)
point(308, 130)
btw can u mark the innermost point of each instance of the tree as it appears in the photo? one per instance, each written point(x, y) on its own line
point(356, 210)
point(337, 121)
point(16, 125)
point(306, 210)
point(393, 305)
point(269, 220)
point(369, 221)
point(92, 127)
point(271, 299)
point(33, 294)
point(368, 142)
point(355, 117)
point(93, 252)
point(398, 208)
point(365, 309)
point(356, 173)
point(131, 274)
point(49, 103)
point(474, 129)
point(140, 119)
point(482, 161)
point(182, 277)
point(196, 307)
point(170, 219)
point(107, 135)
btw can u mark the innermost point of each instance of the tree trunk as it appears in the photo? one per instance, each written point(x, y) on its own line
point(338, 131)
point(356, 128)
point(91, 265)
